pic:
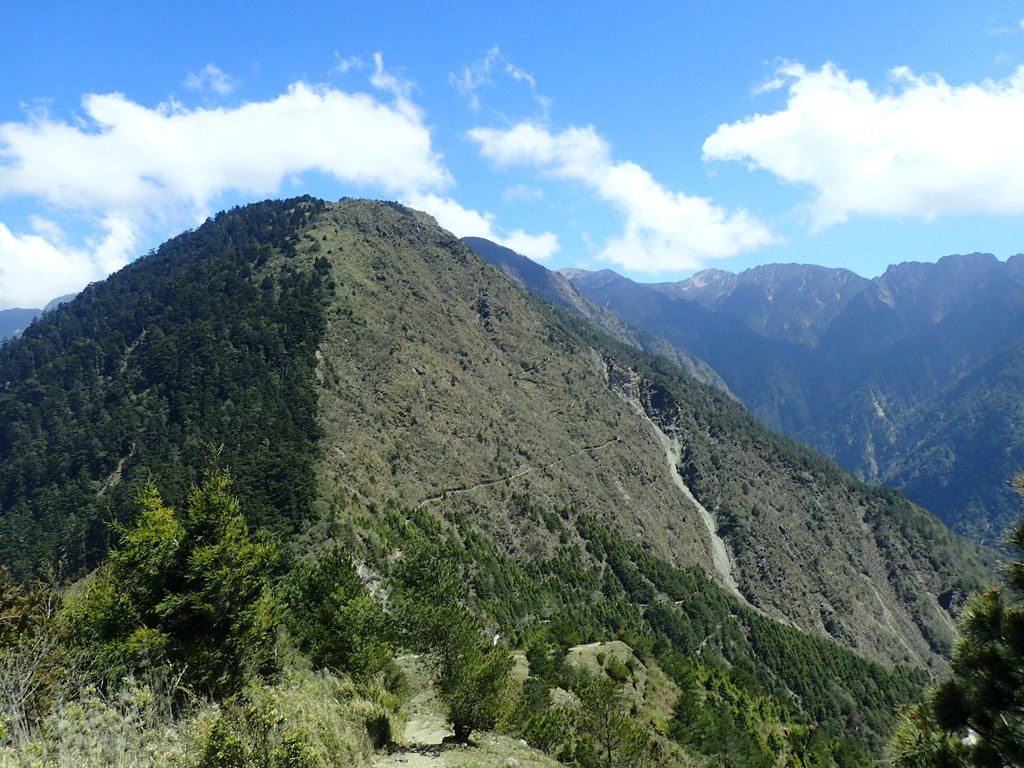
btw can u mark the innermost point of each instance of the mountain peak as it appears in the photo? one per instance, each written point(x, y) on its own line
point(788, 302)
point(355, 356)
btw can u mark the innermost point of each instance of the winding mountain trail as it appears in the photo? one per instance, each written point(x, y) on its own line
point(423, 747)
point(422, 744)
point(458, 490)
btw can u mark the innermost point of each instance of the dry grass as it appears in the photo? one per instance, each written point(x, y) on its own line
point(323, 716)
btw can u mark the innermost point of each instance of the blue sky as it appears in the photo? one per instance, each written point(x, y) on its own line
point(655, 139)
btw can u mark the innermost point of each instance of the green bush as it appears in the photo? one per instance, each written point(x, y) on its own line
point(472, 675)
point(617, 670)
point(307, 720)
point(194, 592)
point(223, 748)
point(335, 620)
point(293, 752)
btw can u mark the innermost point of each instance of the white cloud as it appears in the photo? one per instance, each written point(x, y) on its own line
point(132, 173)
point(128, 156)
point(922, 148)
point(664, 230)
point(35, 268)
point(213, 77)
point(344, 66)
point(523, 192)
point(136, 169)
point(537, 247)
point(465, 222)
point(400, 88)
point(480, 73)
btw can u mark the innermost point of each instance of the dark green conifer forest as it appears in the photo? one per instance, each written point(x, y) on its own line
point(206, 343)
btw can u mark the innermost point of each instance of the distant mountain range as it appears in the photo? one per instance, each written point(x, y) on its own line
point(557, 289)
point(13, 322)
point(914, 379)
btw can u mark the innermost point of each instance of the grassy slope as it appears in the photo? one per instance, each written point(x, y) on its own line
point(445, 387)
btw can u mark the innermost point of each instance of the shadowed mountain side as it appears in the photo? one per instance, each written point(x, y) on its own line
point(862, 369)
point(14, 321)
point(558, 290)
point(788, 302)
point(763, 373)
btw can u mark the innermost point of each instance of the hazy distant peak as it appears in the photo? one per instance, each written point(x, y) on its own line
point(975, 259)
point(706, 276)
point(712, 280)
point(792, 302)
point(930, 289)
point(58, 301)
point(571, 273)
point(956, 262)
point(582, 277)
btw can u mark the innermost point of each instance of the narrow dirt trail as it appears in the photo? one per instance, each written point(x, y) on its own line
point(514, 476)
point(423, 739)
point(422, 743)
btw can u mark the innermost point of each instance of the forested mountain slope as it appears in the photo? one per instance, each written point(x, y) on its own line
point(203, 343)
point(470, 393)
point(369, 380)
point(906, 379)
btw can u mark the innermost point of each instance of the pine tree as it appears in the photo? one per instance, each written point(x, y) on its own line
point(976, 716)
point(471, 674)
point(193, 593)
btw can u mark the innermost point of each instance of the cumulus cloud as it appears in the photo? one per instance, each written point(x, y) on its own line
point(212, 77)
point(128, 156)
point(664, 230)
point(35, 268)
point(123, 168)
point(132, 173)
point(919, 148)
point(466, 222)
